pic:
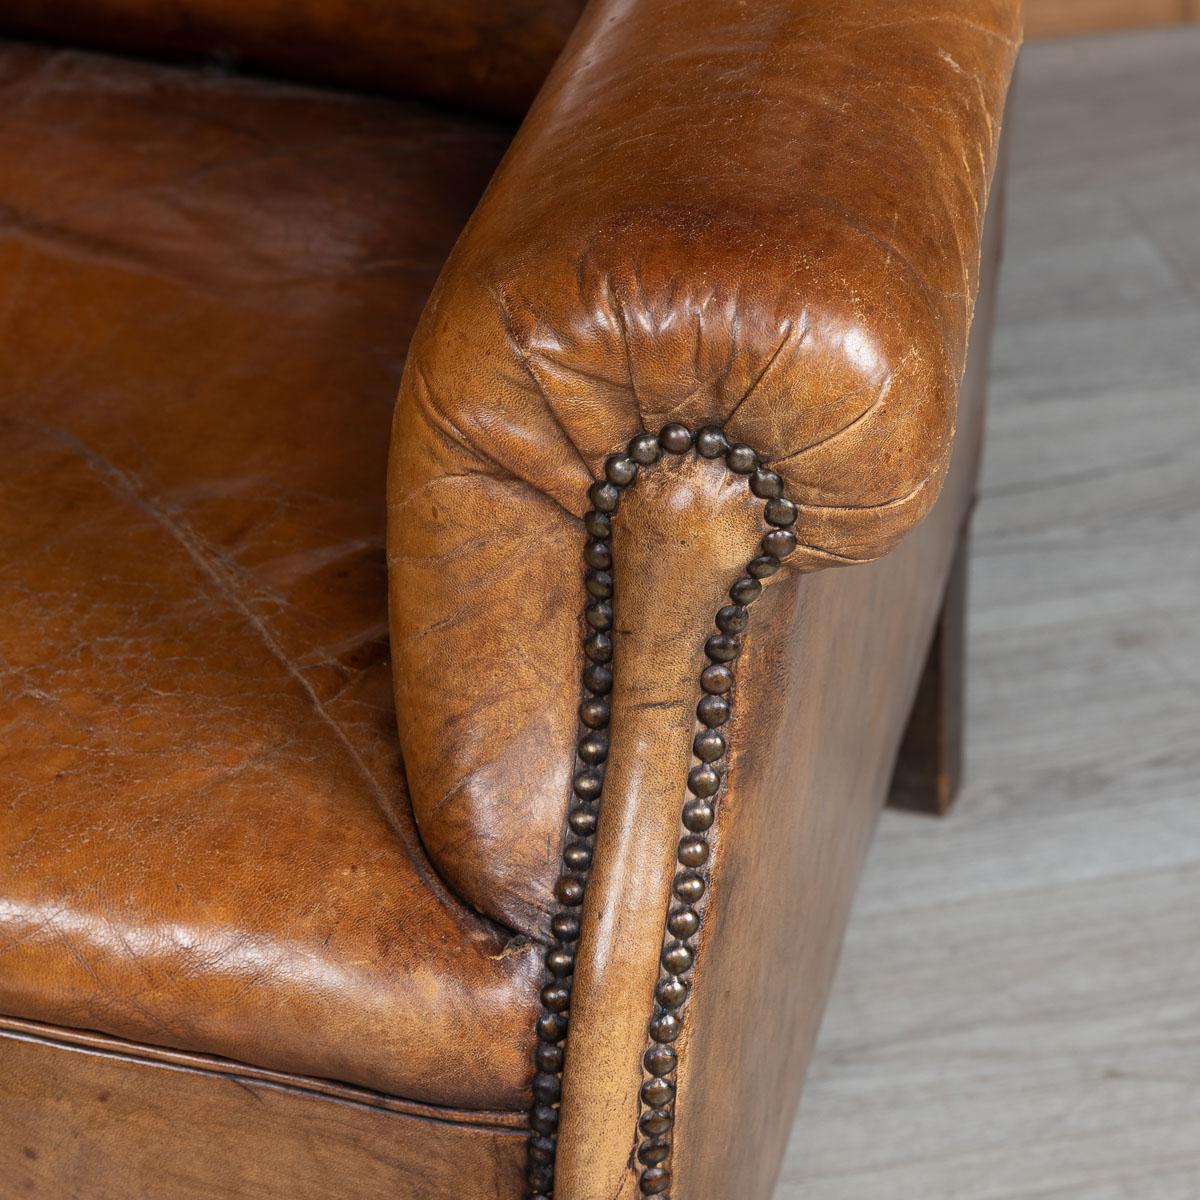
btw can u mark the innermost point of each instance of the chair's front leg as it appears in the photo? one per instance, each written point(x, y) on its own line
point(929, 765)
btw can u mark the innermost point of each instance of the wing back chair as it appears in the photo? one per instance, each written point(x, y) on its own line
point(475, 810)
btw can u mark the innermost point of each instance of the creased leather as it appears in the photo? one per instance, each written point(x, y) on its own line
point(763, 216)
point(205, 841)
point(484, 55)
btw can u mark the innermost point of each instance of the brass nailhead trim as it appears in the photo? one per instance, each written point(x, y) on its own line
point(705, 784)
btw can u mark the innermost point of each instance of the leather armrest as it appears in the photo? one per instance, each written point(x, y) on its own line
point(763, 216)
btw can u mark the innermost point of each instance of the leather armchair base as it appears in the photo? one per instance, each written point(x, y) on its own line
point(95, 1116)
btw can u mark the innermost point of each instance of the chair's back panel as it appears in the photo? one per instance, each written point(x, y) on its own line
point(487, 55)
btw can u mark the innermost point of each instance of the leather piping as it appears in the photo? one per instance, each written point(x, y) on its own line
point(705, 785)
point(136, 1053)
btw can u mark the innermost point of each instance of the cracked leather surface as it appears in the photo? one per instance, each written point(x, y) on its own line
point(205, 840)
point(485, 55)
point(764, 216)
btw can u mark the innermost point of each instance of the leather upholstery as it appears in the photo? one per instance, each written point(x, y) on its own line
point(828, 663)
point(488, 55)
point(205, 840)
point(762, 216)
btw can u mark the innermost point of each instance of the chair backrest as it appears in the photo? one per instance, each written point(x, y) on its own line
point(485, 55)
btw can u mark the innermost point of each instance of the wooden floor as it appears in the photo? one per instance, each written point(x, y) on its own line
point(1018, 1010)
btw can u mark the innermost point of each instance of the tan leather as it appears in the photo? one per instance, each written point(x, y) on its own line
point(763, 216)
point(489, 55)
point(684, 533)
point(205, 840)
point(830, 661)
point(89, 1120)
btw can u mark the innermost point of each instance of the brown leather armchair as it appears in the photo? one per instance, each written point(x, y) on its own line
point(702, 337)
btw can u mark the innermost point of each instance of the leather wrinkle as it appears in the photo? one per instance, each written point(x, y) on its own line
point(218, 572)
point(761, 217)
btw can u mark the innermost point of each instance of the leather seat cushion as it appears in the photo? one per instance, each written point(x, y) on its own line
point(206, 289)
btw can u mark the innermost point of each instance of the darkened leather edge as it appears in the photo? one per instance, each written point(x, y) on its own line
point(88, 1042)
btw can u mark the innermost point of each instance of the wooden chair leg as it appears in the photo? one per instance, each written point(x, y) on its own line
point(929, 764)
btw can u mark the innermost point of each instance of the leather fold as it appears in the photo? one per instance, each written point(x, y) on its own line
point(765, 217)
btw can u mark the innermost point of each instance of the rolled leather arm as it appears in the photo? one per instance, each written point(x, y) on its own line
point(761, 216)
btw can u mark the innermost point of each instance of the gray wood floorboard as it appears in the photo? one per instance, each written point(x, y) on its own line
point(1017, 1015)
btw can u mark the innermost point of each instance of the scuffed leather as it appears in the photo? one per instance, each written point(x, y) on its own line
point(205, 840)
point(487, 55)
point(765, 216)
